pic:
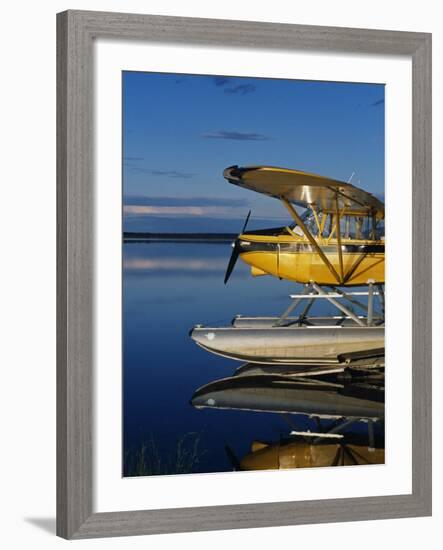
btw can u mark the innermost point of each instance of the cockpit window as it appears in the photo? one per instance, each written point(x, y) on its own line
point(351, 226)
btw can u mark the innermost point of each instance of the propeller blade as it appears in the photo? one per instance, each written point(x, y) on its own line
point(232, 260)
point(233, 460)
point(235, 251)
point(246, 222)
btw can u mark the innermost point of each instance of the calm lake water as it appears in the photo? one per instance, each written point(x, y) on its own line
point(168, 288)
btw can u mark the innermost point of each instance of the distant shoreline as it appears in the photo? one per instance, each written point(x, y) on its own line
point(134, 237)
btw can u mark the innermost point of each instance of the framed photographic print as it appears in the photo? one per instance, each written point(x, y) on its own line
point(244, 320)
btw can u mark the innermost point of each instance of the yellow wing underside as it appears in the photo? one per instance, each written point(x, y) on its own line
point(304, 189)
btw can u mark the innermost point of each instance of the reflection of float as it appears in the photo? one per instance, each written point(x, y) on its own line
point(346, 396)
point(293, 394)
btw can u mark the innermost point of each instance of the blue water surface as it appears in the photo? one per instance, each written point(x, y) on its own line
point(167, 289)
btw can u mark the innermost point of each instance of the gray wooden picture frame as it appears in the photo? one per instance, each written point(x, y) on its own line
point(76, 32)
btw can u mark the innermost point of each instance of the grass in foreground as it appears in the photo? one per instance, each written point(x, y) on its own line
point(147, 459)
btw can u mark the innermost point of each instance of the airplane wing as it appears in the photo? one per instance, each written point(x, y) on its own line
point(304, 189)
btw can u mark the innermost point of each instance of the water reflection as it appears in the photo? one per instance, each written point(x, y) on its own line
point(172, 264)
point(297, 395)
point(305, 452)
point(163, 432)
point(350, 396)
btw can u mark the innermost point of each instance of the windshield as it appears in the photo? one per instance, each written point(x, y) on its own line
point(351, 226)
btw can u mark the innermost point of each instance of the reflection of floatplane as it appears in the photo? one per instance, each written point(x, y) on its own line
point(348, 396)
point(288, 394)
point(307, 450)
point(337, 242)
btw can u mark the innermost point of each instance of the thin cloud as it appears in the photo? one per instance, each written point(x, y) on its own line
point(230, 88)
point(241, 89)
point(238, 136)
point(141, 200)
point(161, 173)
point(172, 173)
point(184, 207)
point(377, 103)
point(220, 81)
point(138, 210)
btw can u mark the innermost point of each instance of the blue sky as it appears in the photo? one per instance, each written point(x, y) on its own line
point(181, 131)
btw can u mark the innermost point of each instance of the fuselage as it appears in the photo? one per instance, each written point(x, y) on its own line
point(290, 256)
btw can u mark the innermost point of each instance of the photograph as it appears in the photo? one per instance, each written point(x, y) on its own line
point(196, 333)
point(253, 273)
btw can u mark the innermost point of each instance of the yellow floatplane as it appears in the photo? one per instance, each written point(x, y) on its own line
point(338, 240)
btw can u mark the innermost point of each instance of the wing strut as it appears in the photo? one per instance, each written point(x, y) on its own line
point(310, 238)
point(339, 250)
